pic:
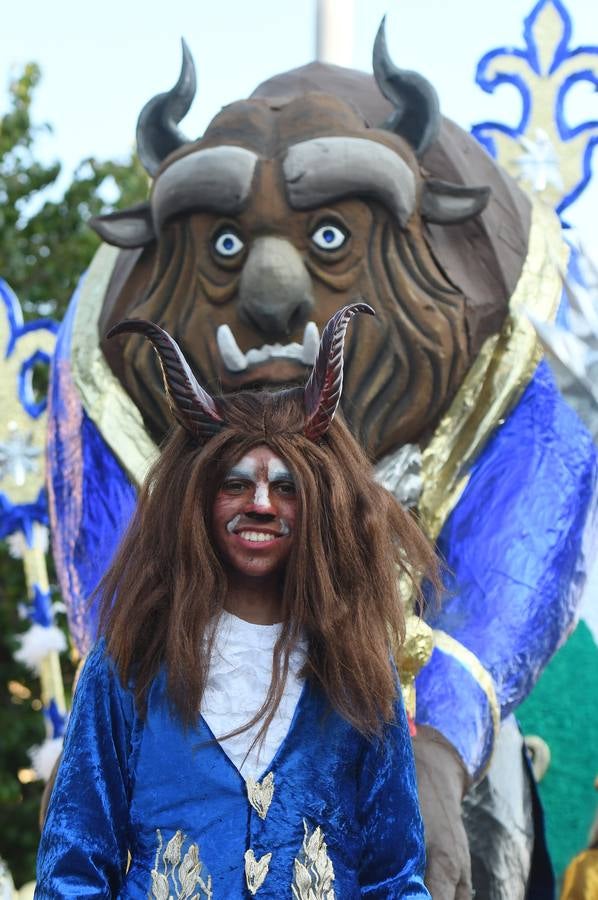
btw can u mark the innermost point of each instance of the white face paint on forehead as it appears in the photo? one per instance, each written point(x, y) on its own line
point(251, 469)
point(245, 468)
point(278, 471)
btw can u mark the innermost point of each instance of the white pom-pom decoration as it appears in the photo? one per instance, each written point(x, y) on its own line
point(6, 883)
point(17, 543)
point(26, 892)
point(36, 643)
point(43, 757)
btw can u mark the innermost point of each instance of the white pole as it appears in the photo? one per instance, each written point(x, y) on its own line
point(334, 32)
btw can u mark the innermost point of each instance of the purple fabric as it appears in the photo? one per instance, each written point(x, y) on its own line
point(91, 499)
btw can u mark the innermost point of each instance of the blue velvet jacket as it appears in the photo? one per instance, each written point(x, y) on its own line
point(334, 814)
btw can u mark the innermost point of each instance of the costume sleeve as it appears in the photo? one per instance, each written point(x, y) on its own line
point(83, 850)
point(393, 857)
point(517, 548)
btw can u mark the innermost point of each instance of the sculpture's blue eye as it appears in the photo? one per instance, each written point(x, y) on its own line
point(228, 244)
point(329, 237)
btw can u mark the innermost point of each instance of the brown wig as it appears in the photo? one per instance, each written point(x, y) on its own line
point(340, 589)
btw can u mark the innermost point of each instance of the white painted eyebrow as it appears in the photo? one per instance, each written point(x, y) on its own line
point(278, 470)
point(273, 474)
point(280, 474)
point(240, 472)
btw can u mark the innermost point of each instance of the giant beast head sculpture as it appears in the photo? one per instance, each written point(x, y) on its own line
point(314, 193)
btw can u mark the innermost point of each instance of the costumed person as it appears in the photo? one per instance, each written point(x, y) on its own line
point(259, 582)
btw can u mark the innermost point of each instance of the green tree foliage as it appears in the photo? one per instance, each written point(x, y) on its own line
point(45, 246)
point(43, 252)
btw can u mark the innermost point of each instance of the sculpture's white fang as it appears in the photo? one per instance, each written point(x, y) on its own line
point(232, 357)
point(236, 361)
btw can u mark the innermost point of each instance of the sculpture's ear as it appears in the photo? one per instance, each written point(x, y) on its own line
point(449, 204)
point(127, 228)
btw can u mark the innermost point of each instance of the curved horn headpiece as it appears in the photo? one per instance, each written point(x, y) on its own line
point(417, 111)
point(325, 384)
point(191, 405)
point(157, 132)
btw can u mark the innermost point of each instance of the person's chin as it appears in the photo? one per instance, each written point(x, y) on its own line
point(258, 567)
point(258, 571)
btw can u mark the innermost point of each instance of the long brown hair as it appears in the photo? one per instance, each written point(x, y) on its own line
point(341, 592)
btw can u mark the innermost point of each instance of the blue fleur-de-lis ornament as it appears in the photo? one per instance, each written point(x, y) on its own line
point(23, 506)
point(23, 422)
point(545, 152)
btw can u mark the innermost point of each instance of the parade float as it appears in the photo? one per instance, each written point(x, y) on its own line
point(327, 184)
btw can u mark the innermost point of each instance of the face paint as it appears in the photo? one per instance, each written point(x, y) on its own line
point(262, 494)
point(254, 514)
point(277, 471)
point(230, 526)
point(262, 474)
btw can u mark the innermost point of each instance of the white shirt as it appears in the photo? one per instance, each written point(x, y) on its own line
point(239, 676)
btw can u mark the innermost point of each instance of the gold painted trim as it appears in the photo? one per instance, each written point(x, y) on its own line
point(451, 647)
point(104, 399)
point(36, 575)
point(411, 656)
point(497, 377)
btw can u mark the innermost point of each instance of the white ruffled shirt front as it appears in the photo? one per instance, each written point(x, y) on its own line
point(238, 680)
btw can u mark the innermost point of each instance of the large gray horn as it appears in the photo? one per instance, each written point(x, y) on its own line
point(417, 111)
point(157, 132)
point(191, 405)
point(325, 384)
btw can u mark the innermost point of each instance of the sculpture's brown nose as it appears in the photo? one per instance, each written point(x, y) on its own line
point(275, 294)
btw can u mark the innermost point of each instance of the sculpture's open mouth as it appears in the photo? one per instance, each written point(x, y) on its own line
point(236, 362)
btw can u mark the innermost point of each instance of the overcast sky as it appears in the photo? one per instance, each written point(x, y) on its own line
point(101, 61)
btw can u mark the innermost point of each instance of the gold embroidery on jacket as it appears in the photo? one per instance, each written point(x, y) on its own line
point(260, 794)
point(256, 870)
point(313, 872)
point(174, 878)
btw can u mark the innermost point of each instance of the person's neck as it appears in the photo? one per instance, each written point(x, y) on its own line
point(255, 600)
